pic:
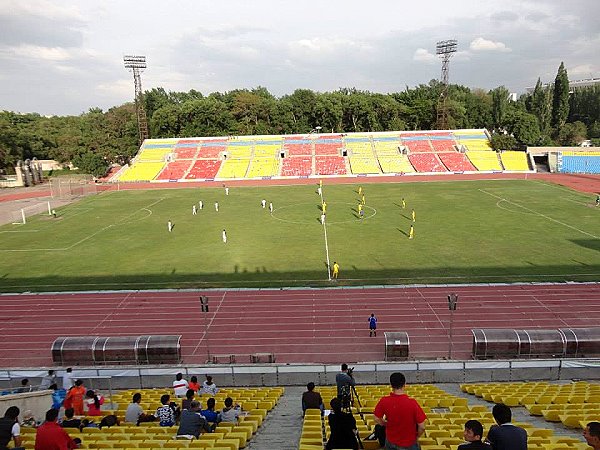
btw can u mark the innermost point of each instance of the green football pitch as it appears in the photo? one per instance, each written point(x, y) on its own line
point(465, 232)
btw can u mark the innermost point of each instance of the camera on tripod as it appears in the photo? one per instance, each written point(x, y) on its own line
point(350, 370)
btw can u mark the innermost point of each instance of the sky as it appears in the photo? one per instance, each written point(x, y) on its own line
point(65, 57)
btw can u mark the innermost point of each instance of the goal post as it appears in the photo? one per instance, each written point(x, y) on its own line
point(21, 215)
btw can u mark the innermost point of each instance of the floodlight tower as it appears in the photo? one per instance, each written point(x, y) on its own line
point(137, 64)
point(445, 49)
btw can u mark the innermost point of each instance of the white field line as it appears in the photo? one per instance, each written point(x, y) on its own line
point(118, 222)
point(540, 214)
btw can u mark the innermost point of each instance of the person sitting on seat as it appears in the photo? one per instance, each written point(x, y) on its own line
point(51, 436)
point(208, 387)
point(69, 421)
point(167, 412)
point(591, 435)
point(187, 401)
point(505, 435)
point(473, 434)
point(10, 428)
point(192, 423)
point(312, 399)
point(230, 413)
point(135, 413)
point(342, 426)
point(193, 384)
point(209, 413)
point(180, 386)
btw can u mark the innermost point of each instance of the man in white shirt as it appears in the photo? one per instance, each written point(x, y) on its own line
point(67, 379)
point(180, 386)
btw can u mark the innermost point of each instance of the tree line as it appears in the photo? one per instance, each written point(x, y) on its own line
point(550, 115)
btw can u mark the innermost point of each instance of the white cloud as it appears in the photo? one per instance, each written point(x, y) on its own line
point(583, 71)
point(484, 45)
point(44, 53)
point(40, 8)
point(325, 47)
point(424, 55)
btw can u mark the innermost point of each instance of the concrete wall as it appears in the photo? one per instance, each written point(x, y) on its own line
point(300, 374)
point(37, 402)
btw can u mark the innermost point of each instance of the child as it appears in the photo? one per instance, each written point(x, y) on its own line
point(93, 402)
point(230, 413)
point(473, 434)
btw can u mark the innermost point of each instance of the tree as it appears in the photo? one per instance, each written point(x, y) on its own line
point(500, 104)
point(524, 127)
point(540, 106)
point(560, 100)
point(91, 163)
point(572, 134)
point(502, 141)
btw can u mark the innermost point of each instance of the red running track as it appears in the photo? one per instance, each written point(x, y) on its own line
point(303, 325)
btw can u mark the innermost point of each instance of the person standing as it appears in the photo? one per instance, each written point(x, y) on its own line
point(200, 205)
point(320, 191)
point(324, 207)
point(363, 200)
point(217, 206)
point(224, 235)
point(372, 326)
point(360, 211)
point(263, 203)
point(336, 270)
point(360, 190)
point(505, 435)
point(322, 218)
point(403, 203)
point(75, 397)
point(271, 207)
point(170, 226)
point(48, 380)
point(411, 232)
point(226, 190)
point(597, 200)
point(343, 381)
point(51, 436)
point(413, 215)
point(67, 378)
point(194, 210)
point(401, 415)
point(10, 428)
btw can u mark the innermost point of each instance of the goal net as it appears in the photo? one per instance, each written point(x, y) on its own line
point(22, 215)
point(73, 186)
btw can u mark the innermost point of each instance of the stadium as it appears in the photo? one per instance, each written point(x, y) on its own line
point(261, 260)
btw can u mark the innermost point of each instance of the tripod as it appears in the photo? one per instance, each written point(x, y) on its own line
point(349, 394)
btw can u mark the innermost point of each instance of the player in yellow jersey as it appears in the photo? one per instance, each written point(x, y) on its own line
point(413, 215)
point(336, 270)
point(411, 232)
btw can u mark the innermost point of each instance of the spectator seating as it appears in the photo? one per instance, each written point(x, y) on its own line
point(297, 166)
point(442, 142)
point(211, 150)
point(263, 167)
point(456, 162)
point(204, 169)
point(296, 146)
point(573, 404)
point(234, 168)
point(256, 404)
point(328, 145)
point(239, 150)
point(446, 416)
point(514, 161)
point(360, 165)
point(580, 162)
point(270, 149)
point(330, 165)
point(395, 164)
point(420, 145)
point(426, 162)
point(473, 140)
point(175, 170)
point(484, 160)
point(142, 171)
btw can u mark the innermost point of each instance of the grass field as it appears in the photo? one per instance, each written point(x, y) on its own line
point(476, 231)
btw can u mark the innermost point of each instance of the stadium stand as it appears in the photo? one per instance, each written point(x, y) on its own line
point(456, 162)
point(580, 162)
point(324, 154)
point(263, 167)
point(330, 165)
point(426, 162)
point(204, 169)
point(573, 404)
point(514, 161)
point(175, 170)
point(298, 166)
point(234, 168)
point(485, 160)
point(473, 140)
point(142, 171)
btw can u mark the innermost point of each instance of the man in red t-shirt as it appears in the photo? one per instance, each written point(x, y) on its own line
point(51, 436)
point(403, 418)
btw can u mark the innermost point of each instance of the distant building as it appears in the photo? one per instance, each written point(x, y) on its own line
point(576, 84)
